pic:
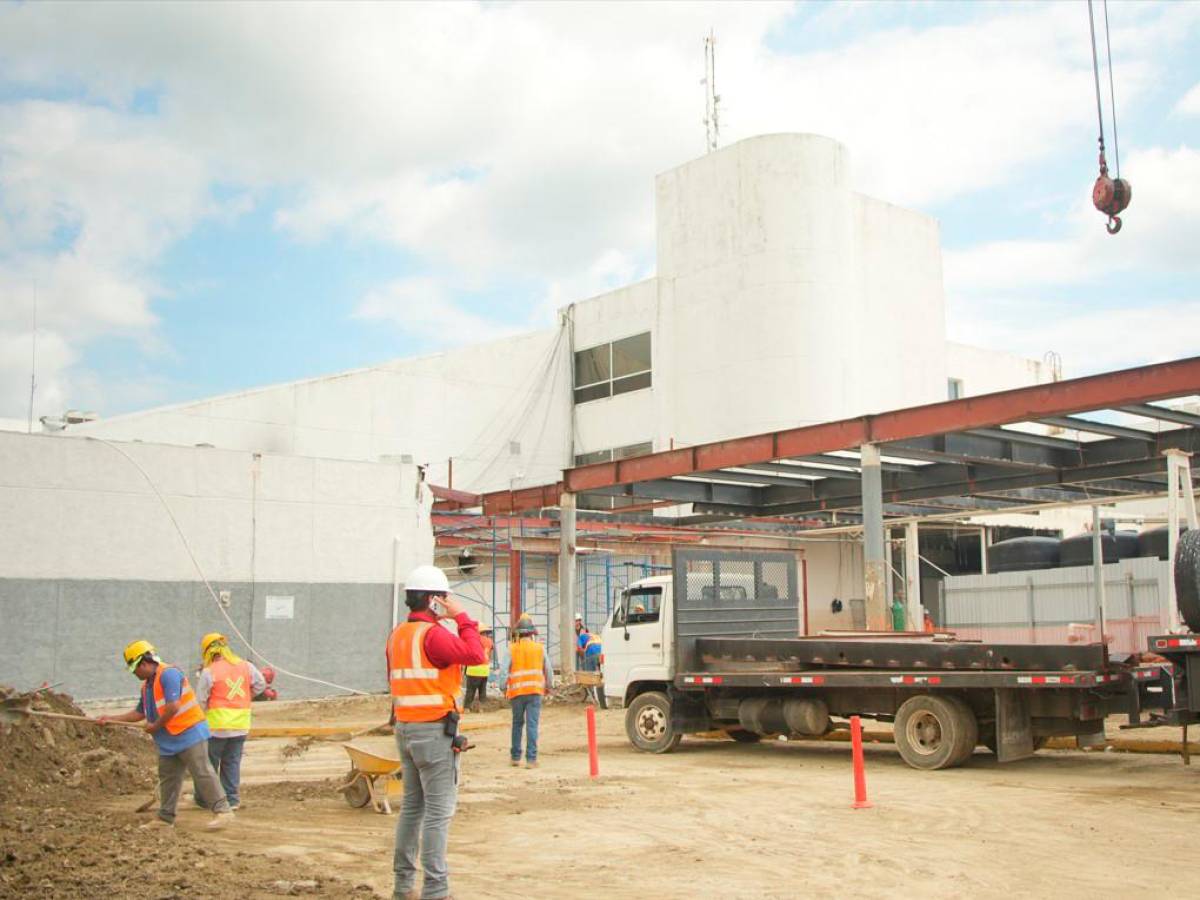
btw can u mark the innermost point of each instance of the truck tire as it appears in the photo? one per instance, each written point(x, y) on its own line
point(1187, 578)
point(648, 723)
point(935, 732)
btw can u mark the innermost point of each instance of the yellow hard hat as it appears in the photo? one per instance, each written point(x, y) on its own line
point(209, 639)
point(136, 650)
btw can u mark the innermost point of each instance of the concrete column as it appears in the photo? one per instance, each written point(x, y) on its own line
point(566, 583)
point(1098, 572)
point(985, 539)
point(874, 565)
point(912, 578)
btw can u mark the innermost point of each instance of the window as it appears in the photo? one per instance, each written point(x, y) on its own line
point(954, 388)
point(638, 606)
point(612, 369)
point(600, 501)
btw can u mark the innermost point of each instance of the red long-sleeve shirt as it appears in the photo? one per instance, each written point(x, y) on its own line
point(445, 649)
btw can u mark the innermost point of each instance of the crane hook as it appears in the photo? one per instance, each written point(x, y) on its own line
point(1114, 224)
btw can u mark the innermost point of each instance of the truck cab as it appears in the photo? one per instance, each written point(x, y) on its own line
point(637, 640)
point(639, 651)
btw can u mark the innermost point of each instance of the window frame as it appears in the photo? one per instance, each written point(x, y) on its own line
point(613, 385)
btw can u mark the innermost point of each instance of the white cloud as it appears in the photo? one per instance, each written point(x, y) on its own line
point(1160, 232)
point(493, 142)
point(1189, 103)
point(422, 308)
point(1088, 339)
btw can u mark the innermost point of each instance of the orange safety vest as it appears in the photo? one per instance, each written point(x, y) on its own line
point(528, 675)
point(229, 700)
point(187, 714)
point(420, 691)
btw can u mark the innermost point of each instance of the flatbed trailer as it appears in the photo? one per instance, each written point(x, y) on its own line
point(732, 661)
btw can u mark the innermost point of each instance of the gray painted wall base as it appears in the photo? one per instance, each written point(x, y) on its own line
point(73, 631)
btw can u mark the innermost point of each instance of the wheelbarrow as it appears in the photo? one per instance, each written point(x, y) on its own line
point(372, 779)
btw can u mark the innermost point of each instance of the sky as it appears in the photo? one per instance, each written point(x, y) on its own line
point(202, 198)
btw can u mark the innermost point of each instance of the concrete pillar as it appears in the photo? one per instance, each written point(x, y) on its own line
point(566, 583)
point(912, 578)
point(874, 565)
point(985, 540)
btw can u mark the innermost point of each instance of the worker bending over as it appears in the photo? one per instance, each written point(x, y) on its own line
point(588, 652)
point(425, 664)
point(176, 722)
point(527, 679)
point(225, 687)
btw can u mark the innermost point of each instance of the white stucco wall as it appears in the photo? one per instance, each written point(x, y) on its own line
point(470, 404)
point(76, 508)
point(984, 371)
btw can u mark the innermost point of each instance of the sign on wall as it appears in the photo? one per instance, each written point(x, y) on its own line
point(280, 607)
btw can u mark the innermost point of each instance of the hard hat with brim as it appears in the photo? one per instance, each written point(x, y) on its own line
point(136, 651)
point(427, 578)
point(209, 639)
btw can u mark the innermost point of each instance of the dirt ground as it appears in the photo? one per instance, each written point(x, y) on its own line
point(713, 819)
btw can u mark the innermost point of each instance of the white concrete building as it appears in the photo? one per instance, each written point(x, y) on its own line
point(781, 297)
point(303, 555)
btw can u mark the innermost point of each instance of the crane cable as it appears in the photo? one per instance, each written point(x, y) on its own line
point(1096, 69)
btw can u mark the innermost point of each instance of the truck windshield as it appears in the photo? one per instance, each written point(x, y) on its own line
point(638, 605)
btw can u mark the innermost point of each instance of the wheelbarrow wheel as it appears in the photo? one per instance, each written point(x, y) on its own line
point(357, 792)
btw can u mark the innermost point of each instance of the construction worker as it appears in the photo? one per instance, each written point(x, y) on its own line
point(477, 676)
point(589, 651)
point(425, 664)
point(224, 689)
point(527, 678)
point(177, 724)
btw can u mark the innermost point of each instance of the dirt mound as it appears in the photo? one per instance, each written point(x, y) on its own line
point(68, 828)
point(42, 757)
point(87, 854)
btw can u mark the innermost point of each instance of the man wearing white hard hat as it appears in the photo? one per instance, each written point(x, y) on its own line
point(425, 663)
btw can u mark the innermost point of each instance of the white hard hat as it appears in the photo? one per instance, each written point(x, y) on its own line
point(578, 617)
point(427, 578)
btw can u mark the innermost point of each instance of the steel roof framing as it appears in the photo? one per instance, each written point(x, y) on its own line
point(941, 456)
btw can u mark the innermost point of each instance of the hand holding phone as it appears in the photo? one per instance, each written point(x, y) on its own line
point(447, 608)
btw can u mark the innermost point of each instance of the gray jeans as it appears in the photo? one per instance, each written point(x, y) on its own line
point(430, 775)
point(193, 760)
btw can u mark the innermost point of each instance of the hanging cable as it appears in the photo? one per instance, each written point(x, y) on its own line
point(1109, 195)
point(199, 571)
point(1096, 75)
point(1112, 91)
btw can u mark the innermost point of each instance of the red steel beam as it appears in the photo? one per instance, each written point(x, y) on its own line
point(1105, 391)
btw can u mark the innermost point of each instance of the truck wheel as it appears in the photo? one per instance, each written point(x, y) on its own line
point(742, 736)
point(934, 732)
point(648, 723)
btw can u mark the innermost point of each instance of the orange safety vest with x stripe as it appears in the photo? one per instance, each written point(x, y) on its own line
point(420, 691)
point(229, 702)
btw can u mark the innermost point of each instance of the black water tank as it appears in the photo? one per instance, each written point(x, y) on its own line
point(1153, 541)
point(1023, 554)
point(1077, 550)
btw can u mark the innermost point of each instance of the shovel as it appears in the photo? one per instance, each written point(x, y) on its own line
point(14, 709)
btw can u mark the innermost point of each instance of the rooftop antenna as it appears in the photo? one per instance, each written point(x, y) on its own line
point(712, 118)
point(33, 357)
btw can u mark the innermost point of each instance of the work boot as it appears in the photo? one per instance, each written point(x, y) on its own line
point(157, 823)
point(532, 764)
point(514, 762)
point(219, 821)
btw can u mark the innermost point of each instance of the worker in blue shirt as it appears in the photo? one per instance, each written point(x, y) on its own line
point(588, 652)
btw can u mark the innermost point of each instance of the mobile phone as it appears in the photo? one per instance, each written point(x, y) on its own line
point(437, 607)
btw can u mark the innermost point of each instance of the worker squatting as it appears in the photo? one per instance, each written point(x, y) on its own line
point(202, 732)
